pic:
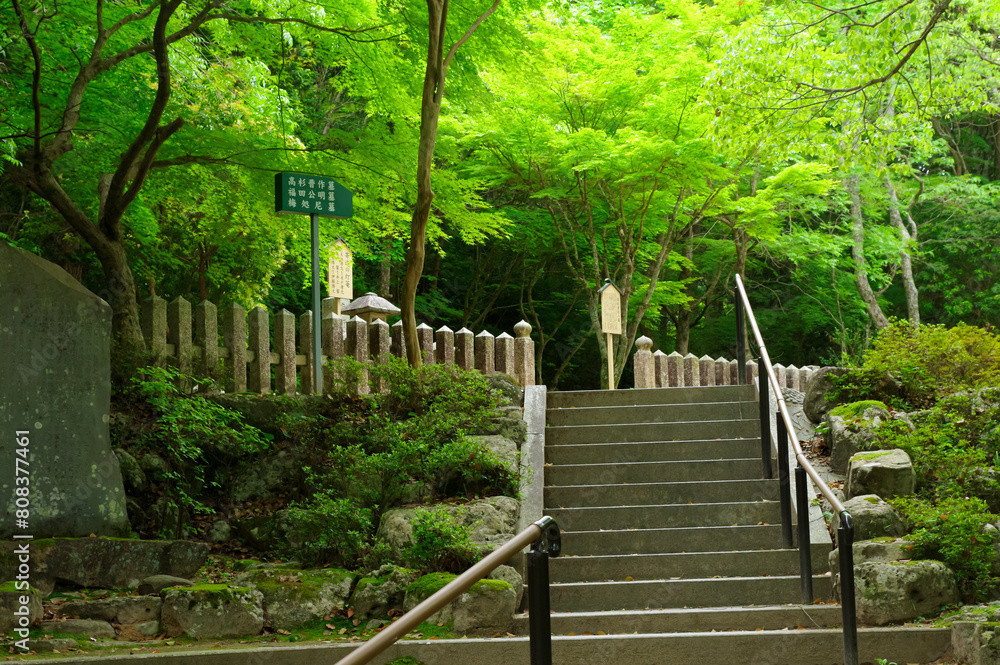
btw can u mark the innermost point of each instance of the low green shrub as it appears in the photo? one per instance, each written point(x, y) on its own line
point(914, 366)
point(952, 530)
point(441, 542)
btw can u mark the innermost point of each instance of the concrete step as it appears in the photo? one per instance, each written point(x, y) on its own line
point(652, 451)
point(791, 647)
point(653, 594)
point(654, 472)
point(681, 620)
point(649, 396)
point(665, 516)
point(684, 539)
point(627, 433)
point(644, 494)
point(661, 566)
point(657, 413)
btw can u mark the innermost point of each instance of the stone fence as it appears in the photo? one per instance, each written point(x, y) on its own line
point(252, 343)
point(660, 370)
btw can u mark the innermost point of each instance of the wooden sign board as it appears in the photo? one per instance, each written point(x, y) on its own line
point(611, 309)
point(312, 195)
point(340, 271)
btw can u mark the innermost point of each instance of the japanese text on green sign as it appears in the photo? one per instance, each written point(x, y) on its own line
point(311, 195)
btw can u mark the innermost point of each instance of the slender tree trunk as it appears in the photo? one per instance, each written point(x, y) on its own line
point(906, 265)
point(385, 275)
point(853, 185)
point(995, 126)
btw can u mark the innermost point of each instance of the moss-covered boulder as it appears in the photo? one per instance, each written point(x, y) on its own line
point(486, 608)
point(212, 611)
point(381, 591)
point(118, 609)
point(99, 630)
point(850, 428)
point(12, 614)
point(293, 597)
point(873, 518)
point(104, 563)
point(887, 473)
point(493, 521)
point(902, 590)
point(818, 398)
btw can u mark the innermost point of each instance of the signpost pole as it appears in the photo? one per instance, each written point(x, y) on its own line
point(317, 309)
point(611, 363)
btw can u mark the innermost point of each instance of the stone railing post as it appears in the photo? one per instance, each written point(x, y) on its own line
point(444, 340)
point(356, 346)
point(332, 341)
point(485, 349)
point(779, 374)
point(751, 371)
point(284, 346)
point(792, 374)
point(464, 355)
point(504, 357)
point(721, 371)
point(378, 347)
point(154, 325)
point(206, 335)
point(179, 334)
point(660, 369)
point(691, 371)
point(397, 344)
point(524, 354)
point(706, 371)
point(306, 349)
point(259, 374)
point(643, 360)
point(234, 337)
point(425, 337)
point(675, 370)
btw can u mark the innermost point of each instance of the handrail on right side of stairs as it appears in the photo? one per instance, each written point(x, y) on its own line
point(786, 434)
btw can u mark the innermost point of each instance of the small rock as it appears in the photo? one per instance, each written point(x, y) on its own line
point(212, 611)
point(55, 644)
point(220, 532)
point(157, 583)
point(132, 474)
point(873, 518)
point(815, 404)
point(102, 630)
point(375, 623)
point(10, 602)
point(123, 609)
point(154, 467)
point(887, 473)
point(381, 591)
point(902, 590)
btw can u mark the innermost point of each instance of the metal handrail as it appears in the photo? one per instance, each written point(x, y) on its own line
point(786, 434)
point(543, 536)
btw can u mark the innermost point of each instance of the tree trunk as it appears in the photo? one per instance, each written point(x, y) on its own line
point(120, 292)
point(906, 265)
point(853, 186)
point(385, 275)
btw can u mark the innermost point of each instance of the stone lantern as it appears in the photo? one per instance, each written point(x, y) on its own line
point(370, 307)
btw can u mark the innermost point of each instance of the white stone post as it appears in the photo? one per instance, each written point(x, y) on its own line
point(524, 354)
point(643, 363)
point(484, 348)
point(464, 353)
point(675, 370)
point(504, 357)
point(660, 369)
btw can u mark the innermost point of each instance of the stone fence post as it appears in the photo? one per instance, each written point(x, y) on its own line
point(644, 377)
point(524, 354)
point(485, 348)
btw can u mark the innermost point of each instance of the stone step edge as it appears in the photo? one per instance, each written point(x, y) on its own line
point(682, 611)
point(678, 422)
point(666, 405)
point(645, 506)
point(668, 461)
point(638, 583)
point(674, 529)
point(636, 555)
point(676, 482)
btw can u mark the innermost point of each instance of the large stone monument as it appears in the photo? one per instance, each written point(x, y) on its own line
point(55, 392)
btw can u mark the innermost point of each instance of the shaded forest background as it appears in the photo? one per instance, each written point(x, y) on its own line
point(843, 157)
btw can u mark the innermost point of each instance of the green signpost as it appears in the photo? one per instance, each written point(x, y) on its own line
point(316, 196)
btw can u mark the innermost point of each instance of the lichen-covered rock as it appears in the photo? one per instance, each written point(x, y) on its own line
point(505, 449)
point(293, 597)
point(975, 642)
point(104, 563)
point(486, 608)
point(10, 602)
point(212, 610)
point(132, 474)
point(154, 584)
point(507, 387)
point(266, 477)
point(493, 521)
point(381, 591)
point(55, 644)
point(815, 404)
point(882, 550)
point(887, 473)
point(902, 590)
point(873, 518)
point(847, 435)
point(101, 630)
point(119, 609)
point(511, 577)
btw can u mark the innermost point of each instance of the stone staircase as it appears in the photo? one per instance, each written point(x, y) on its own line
point(672, 538)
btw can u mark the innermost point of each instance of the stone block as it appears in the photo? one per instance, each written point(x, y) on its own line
point(887, 473)
point(976, 642)
point(486, 608)
point(212, 611)
point(118, 609)
point(100, 630)
point(873, 518)
point(902, 590)
point(296, 597)
point(55, 396)
point(10, 602)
